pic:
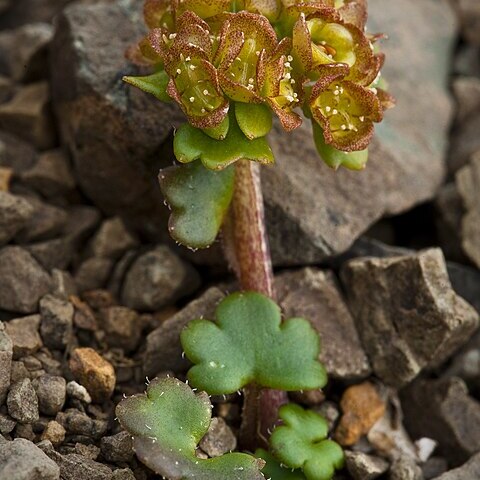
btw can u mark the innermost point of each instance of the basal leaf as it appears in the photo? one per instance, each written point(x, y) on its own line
point(336, 158)
point(301, 443)
point(167, 422)
point(199, 199)
point(156, 84)
point(254, 119)
point(249, 344)
point(220, 132)
point(191, 144)
point(274, 469)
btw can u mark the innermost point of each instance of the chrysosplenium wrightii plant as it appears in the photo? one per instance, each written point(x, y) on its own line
point(231, 66)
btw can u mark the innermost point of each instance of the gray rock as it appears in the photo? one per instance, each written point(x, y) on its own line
point(156, 279)
point(434, 467)
point(23, 460)
point(57, 322)
point(219, 439)
point(470, 16)
point(51, 175)
point(51, 392)
point(117, 448)
point(468, 183)
point(444, 411)
point(163, 349)
point(22, 402)
point(117, 152)
point(63, 284)
point(76, 422)
point(56, 253)
point(82, 221)
point(112, 239)
point(123, 474)
point(14, 213)
point(77, 467)
point(313, 294)
point(24, 51)
point(16, 153)
point(93, 273)
point(330, 412)
point(24, 431)
point(6, 354)
point(78, 392)
point(466, 282)
point(365, 467)
point(24, 335)
point(24, 11)
point(122, 327)
point(468, 471)
point(28, 115)
point(7, 424)
point(404, 468)
point(407, 314)
point(467, 95)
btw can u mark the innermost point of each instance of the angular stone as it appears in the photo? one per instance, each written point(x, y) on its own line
point(7, 424)
point(405, 468)
point(63, 284)
point(122, 327)
point(76, 422)
point(156, 279)
point(93, 372)
point(112, 239)
point(313, 294)
point(163, 350)
point(434, 467)
point(56, 253)
point(443, 410)
point(93, 273)
point(78, 392)
point(24, 51)
point(117, 448)
point(51, 392)
point(15, 212)
point(468, 183)
point(123, 474)
point(24, 335)
point(57, 322)
point(23, 460)
point(468, 471)
point(82, 221)
point(22, 402)
point(88, 93)
point(77, 467)
point(16, 153)
point(28, 115)
point(407, 314)
point(54, 432)
point(219, 439)
point(470, 15)
point(365, 467)
point(467, 95)
point(6, 355)
point(51, 176)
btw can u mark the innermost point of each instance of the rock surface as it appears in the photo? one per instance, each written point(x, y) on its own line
point(364, 467)
point(406, 312)
point(51, 392)
point(15, 211)
point(219, 439)
point(57, 322)
point(468, 471)
point(6, 354)
point(24, 335)
point(22, 402)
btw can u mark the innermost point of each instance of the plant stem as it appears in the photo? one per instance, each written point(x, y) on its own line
point(247, 250)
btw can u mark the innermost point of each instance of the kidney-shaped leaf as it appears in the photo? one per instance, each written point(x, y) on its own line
point(167, 422)
point(275, 470)
point(199, 199)
point(249, 344)
point(191, 144)
point(301, 443)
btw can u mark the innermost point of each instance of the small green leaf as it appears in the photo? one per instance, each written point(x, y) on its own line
point(336, 158)
point(274, 469)
point(199, 199)
point(220, 132)
point(156, 84)
point(300, 443)
point(167, 422)
point(191, 144)
point(254, 120)
point(249, 344)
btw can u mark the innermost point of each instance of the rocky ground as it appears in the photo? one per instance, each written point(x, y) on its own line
point(93, 294)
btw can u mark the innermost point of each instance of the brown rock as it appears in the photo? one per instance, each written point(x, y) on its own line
point(5, 178)
point(93, 273)
point(362, 406)
point(57, 322)
point(470, 15)
point(83, 317)
point(15, 212)
point(407, 314)
point(93, 372)
point(122, 327)
point(24, 335)
point(56, 253)
point(16, 153)
point(117, 448)
point(6, 354)
point(467, 95)
point(54, 432)
point(219, 439)
point(313, 294)
point(76, 422)
point(28, 115)
point(365, 467)
point(444, 411)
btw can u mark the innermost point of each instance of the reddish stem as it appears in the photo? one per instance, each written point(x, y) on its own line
point(247, 250)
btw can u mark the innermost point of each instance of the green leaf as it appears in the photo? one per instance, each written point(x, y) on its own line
point(249, 344)
point(156, 84)
point(336, 158)
point(300, 443)
point(274, 469)
point(220, 132)
point(199, 199)
point(254, 120)
point(167, 422)
point(191, 144)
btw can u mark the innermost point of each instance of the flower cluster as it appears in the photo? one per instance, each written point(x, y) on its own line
point(287, 54)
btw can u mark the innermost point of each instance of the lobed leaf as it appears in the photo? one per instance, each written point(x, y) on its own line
point(249, 344)
point(191, 144)
point(301, 443)
point(167, 422)
point(274, 470)
point(199, 199)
